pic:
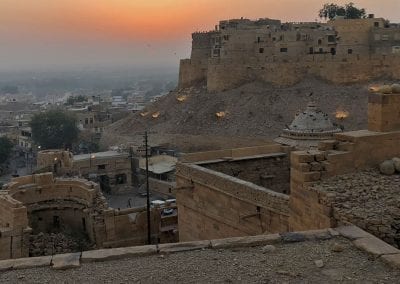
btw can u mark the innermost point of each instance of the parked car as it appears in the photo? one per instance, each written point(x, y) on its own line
point(167, 211)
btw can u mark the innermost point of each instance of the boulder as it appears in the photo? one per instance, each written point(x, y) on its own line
point(396, 88)
point(387, 168)
point(385, 89)
point(396, 163)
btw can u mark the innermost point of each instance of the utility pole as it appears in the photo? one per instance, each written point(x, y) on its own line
point(147, 189)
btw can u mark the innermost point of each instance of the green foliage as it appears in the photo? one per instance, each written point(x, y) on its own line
point(353, 12)
point(5, 149)
point(54, 129)
point(76, 99)
point(349, 11)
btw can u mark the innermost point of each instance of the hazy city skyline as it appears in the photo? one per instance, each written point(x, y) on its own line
point(68, 34)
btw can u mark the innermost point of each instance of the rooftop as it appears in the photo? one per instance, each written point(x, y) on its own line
point(99, 155)
point(313, 257)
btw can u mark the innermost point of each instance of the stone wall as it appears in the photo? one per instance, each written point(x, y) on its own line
point(192, 72)
point(349, 68)
point(352, 151)
point(271, 171)
point(106, 166)
point(349, 152)
point(14, 230)
point(233, 153)
point(340, 51)
point(41, 204)
point(383, 112)
point(62, 163)
point(55, 160)
point(164, 188)
point(212, 204)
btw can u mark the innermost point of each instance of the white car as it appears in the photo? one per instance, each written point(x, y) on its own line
point(167, 211)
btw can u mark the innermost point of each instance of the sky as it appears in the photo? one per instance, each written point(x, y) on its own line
point(73, 34)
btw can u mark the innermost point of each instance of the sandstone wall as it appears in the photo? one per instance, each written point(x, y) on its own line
point(192, 72)
point(269, 171)
point(73, 206)
point(50, 158)
point(214, 205)
point(40, 188)
point(351, 151)
point(384, 112)
point(233, 153)
point(166, 189)
point(349, 68)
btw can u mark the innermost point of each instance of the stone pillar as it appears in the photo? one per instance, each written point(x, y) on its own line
point(384, 112)
point(308, 208)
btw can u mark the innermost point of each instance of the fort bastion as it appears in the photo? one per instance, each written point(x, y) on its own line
point(340, 51)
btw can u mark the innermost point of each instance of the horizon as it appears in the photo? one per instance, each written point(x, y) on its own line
point(124, 35)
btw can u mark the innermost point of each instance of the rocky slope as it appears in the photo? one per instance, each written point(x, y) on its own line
point(254, 111)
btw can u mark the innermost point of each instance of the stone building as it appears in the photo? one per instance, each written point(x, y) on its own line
point(308, 129)
point(111, 169)
point(42, 204)
point(254, 190)
point(340, 51)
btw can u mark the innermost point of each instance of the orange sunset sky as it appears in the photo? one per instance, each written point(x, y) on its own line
point(89, 33)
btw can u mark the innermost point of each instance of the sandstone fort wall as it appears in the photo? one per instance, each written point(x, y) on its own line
point(213, 204)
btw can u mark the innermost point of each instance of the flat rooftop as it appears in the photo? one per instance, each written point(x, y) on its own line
point(100, 155)
point(323, 259)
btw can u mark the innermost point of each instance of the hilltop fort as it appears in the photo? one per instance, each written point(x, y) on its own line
point(340, 51)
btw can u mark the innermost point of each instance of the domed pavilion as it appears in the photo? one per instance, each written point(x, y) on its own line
point(308, 128)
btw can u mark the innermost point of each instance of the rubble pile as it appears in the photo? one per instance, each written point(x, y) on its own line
point(56, 243)
point(252, 110)
point(367, 199)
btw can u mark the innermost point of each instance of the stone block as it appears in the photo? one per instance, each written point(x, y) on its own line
point(333, 232)
point(246, 241)
point(66, 261)
point(6, 265)
point(293, 237)
point(327, 145)
point(316, 234)
point(302, 167)
point(320, 157)
point(315, 166)
point(392, 260)
point(301, 157)
point(296, 175)
point(311, 176)
point(117, 253)
point(352, 232)
point(31, 262)
point(184, 246)
point(375, 246)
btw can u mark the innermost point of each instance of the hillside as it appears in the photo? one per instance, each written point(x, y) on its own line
point(254, 112)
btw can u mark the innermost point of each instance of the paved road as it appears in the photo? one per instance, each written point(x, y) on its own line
point(121, 200)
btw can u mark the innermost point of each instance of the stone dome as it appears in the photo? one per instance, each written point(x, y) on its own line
point(308, 128)
point(312, 120)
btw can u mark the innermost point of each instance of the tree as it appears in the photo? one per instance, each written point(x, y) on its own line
point(353, 12)
point(76, 99)
point(5, 149)
point(54, 129)
point(349, 11)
